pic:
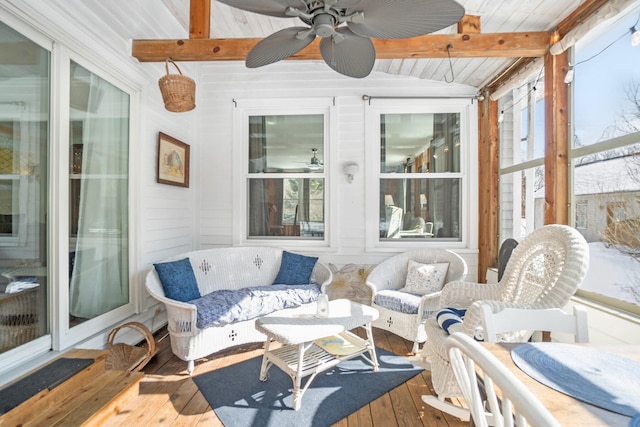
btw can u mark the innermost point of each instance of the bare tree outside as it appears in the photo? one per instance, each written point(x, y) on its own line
point(623, 229)
point(630, 118)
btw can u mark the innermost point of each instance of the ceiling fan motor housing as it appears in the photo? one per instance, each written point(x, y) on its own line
point(323, 25)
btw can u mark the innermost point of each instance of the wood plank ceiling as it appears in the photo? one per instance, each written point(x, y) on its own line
point(426, 57)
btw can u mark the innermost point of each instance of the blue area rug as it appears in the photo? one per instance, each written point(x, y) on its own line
point(240, 399)
point(594, 376)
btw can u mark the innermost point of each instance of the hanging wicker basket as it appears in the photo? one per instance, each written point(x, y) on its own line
point(178, 91)
point(131, 358)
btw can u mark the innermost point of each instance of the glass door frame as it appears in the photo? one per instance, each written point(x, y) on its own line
point(65, 336)
point(13, 358)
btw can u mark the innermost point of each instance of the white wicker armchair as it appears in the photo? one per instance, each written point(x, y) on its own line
point(544, 271)
point(391, 274)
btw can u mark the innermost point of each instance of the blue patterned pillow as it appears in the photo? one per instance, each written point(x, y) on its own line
point(295, 269)
point(178, 281)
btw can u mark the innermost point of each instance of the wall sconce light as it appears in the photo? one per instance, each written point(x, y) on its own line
point(388, 200)
point(423, 200)
point(351, 168)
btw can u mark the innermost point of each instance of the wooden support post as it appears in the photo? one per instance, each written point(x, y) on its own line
point(469, 24)
point(556, 166)
point(199, 19)
point(556, 157)
point(488, 185)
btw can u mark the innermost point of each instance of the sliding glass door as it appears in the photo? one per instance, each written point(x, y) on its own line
point(64, 197)
point(24, 141)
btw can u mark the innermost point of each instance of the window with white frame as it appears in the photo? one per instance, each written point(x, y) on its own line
point(521, 130)
point(284, 153)
point(582, 215)
point(421, 172)
point(606, 160)
point(605, 181)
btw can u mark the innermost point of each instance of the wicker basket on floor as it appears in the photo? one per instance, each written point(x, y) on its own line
point(125, 357)
point(178, 91)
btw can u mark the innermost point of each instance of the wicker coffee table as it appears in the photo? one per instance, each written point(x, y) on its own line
point(302, 356)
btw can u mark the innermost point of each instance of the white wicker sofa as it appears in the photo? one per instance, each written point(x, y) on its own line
point(231, 268)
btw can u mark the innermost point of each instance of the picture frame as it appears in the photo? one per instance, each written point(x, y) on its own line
point(173, 161)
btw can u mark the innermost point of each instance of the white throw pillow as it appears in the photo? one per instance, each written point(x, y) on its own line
point(423, 279)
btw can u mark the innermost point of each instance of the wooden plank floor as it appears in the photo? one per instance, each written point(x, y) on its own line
point(169, 397)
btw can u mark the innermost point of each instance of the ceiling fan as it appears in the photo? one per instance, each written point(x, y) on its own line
point(348, 48)
point(315, 163)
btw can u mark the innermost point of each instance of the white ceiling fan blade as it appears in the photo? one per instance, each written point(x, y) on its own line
point(267, 7)
point(279, 45)
point(398, 19)
point(354, 56)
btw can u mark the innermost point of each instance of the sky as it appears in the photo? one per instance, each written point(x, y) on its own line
point(599, 82)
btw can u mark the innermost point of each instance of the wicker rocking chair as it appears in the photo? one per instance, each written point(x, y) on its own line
point(390, 276)
point(544, 271)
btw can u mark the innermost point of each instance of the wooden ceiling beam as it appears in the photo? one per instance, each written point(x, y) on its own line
point(199, 19)
point(504, 45)
point(579, 15)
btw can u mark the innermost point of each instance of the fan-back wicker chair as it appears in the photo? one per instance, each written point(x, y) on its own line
point(544, 271)
point(391, 274)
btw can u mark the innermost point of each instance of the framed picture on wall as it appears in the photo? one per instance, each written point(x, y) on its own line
point(173, 161)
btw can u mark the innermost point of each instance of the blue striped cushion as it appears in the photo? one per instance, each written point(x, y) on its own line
point(448, 317)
